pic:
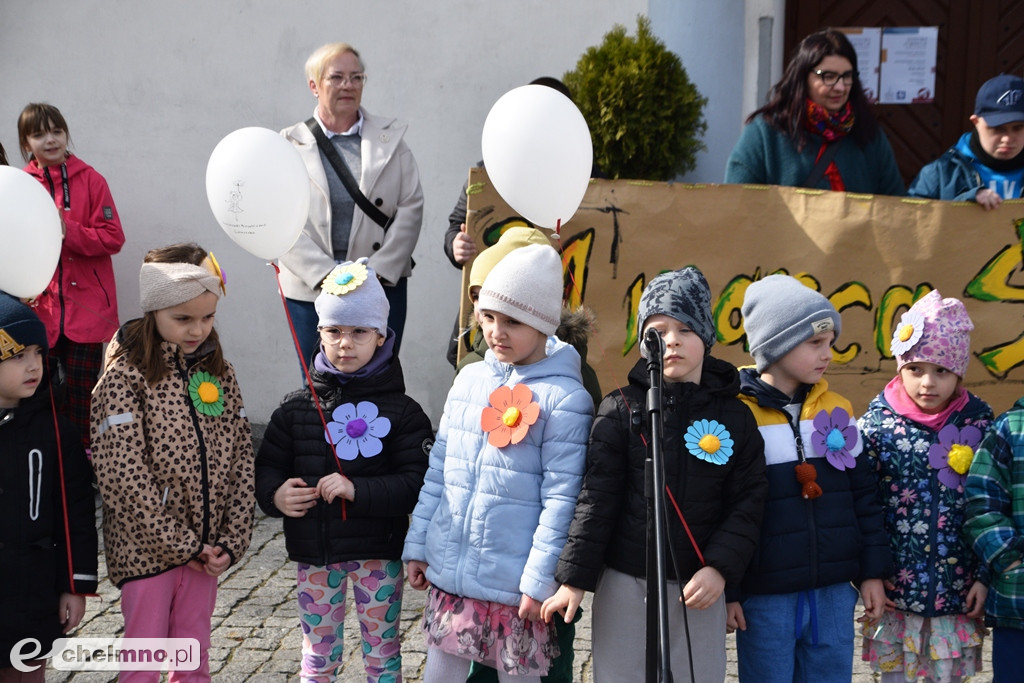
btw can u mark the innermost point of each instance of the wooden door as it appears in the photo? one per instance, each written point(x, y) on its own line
point(978, 39)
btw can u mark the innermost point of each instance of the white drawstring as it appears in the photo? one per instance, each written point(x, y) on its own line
point(35, 482)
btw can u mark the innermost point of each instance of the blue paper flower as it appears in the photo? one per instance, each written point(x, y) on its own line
point(357, 430)
point(710, 441)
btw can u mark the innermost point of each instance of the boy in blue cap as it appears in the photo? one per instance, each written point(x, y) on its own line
point(986, 165)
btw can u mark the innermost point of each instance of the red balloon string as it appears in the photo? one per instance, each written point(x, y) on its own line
point(309, 380)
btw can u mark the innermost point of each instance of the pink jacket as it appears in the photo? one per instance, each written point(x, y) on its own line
point(81, 299)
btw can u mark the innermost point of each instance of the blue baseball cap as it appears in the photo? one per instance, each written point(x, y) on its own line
point(1000, 100)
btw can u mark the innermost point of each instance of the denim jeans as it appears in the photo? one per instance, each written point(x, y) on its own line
point(800, 637)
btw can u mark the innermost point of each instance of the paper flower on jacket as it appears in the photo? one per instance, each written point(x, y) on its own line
point(953, 453)
point(510, 415)
point(833, 437)
point(710, 441)
point(206, 394)
point(357, 429)
point(344, 279)
point(907, 333)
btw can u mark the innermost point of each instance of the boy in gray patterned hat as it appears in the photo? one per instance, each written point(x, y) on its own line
point(823, 524)
point(714, 472)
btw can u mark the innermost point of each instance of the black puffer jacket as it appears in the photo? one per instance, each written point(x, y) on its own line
point(722, 504)
point(34, 564)
point(386, 485)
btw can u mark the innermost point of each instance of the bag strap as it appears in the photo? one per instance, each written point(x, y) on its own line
point(816, 174)
point(341, 168)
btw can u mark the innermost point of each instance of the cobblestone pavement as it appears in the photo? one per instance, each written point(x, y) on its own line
point(255, 625)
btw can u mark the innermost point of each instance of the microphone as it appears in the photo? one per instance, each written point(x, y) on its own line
point(653, 345)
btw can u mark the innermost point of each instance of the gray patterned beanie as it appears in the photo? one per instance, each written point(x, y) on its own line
point(780, 313)
point(683, 295)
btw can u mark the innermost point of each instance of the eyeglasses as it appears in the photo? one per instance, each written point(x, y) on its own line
point(340, 80)
point(830, 78)
point(358, 335)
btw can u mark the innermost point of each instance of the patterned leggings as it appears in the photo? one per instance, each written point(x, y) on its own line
point(377, 589)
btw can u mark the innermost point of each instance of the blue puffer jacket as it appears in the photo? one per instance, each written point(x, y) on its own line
point(952, 176)
point(935, 567)
point(490, 522)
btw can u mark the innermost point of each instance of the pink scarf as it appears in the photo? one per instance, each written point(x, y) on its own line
point(896, 394)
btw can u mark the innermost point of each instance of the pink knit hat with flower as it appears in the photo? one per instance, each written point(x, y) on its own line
point(934, 330)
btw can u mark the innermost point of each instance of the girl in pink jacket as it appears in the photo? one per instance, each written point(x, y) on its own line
point(79, 307)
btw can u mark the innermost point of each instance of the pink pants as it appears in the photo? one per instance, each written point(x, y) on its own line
point(175, 604)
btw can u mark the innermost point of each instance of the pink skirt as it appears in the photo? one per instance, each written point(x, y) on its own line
point(489, 633)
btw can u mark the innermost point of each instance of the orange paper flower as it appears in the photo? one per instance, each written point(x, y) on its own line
point(508, 418)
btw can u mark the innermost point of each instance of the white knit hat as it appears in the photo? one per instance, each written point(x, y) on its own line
point(352, 296)
point(526, 285)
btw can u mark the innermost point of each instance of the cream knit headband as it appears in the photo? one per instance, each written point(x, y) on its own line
point(163, 285)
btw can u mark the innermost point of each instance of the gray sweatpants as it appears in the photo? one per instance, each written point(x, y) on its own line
point(618, 622)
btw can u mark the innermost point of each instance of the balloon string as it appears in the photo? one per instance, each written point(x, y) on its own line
point(309, 380)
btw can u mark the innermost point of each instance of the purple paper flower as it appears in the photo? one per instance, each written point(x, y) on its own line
point(953, 454)
point(357, 430)
point(834, 435)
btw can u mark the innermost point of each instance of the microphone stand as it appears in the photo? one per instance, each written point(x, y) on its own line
point(658, 665)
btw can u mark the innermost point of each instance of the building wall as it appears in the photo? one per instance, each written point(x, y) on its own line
point(149, 89)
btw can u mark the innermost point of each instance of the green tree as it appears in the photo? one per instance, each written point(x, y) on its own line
point(645, 116)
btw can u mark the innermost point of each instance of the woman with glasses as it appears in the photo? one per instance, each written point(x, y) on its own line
point(817, 129)
point(376, 211)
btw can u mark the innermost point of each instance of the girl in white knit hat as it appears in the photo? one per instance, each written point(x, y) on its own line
point(504, 475)
point(172, 450)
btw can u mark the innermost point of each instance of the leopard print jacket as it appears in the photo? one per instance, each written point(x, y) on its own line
point(175, 472)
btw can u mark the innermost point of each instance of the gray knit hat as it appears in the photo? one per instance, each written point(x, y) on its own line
point(526, 285)
point(20, 327)
point(780, 313)
point(683, 295)
point(352, 296)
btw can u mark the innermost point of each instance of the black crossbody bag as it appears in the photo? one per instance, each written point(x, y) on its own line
point(341, 168)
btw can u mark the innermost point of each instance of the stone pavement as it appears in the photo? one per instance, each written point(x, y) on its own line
point(255, 625)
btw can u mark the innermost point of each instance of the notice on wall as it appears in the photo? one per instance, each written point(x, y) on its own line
point(871, 256)
point(908, 65)
point(867, 42)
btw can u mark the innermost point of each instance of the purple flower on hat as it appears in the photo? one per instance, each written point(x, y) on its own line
point(953, 453)
point(834, 435)
point(357, 430)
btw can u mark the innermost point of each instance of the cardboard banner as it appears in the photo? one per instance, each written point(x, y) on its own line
point(872, 256)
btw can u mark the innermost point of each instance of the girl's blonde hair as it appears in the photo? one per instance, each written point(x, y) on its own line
point(139, 339)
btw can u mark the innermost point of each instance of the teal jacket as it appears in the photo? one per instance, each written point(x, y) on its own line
point(995, 515)
point(766, 156)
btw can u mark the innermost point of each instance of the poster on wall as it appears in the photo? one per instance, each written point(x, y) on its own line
point(872, 256)
point(867, 42)
point(908, 65)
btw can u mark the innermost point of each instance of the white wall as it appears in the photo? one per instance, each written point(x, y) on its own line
point(149, 88)
point(709, 39)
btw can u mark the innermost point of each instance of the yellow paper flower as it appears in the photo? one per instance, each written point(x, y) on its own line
point(344, 279)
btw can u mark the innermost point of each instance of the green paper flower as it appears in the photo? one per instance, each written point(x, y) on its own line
point(206, 394)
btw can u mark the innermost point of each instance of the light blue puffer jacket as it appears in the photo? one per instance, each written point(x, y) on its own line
point(490, 523)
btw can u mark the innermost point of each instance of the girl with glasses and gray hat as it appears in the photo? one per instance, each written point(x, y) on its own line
point(172, 450)
point(343, 464)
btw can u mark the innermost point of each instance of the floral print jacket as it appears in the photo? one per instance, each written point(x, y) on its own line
point(924, 512)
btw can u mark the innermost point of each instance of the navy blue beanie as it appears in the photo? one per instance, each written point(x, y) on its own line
point(20, 327)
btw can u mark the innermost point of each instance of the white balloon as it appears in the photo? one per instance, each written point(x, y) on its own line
point(258, 190)
point(538, 153)
point(30, 232)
